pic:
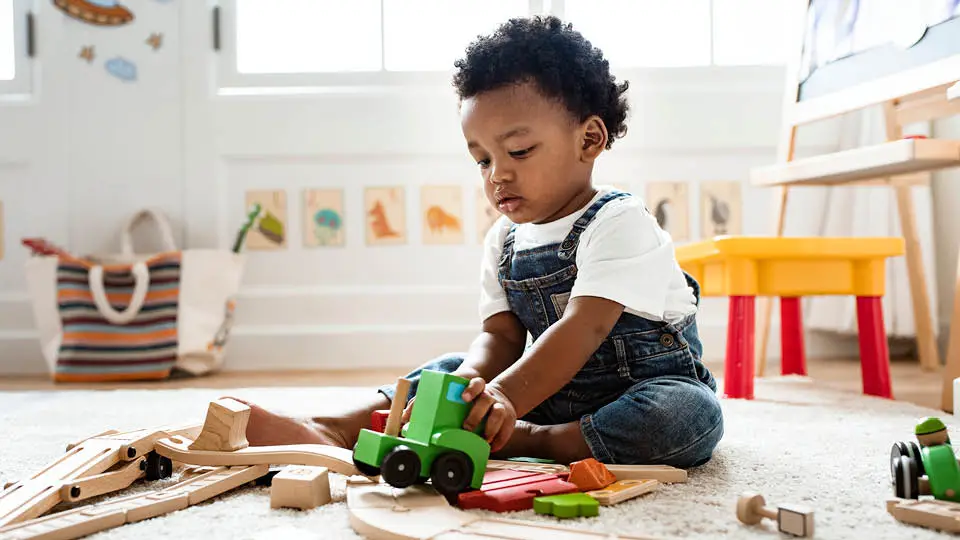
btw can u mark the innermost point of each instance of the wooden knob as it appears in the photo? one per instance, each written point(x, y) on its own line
point(751, 509)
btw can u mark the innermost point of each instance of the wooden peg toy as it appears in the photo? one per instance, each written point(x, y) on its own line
point(300, 487)
point(225, 428)
point(392, 427)
point(795, 520)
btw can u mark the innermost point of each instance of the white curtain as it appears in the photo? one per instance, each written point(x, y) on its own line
point(864, 211)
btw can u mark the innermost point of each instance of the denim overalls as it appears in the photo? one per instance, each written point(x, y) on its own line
point(644, 397)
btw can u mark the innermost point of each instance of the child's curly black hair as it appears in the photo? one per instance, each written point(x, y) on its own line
point(557, 59)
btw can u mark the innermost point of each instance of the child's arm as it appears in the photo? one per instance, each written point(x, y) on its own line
point(498, 346)
point(559, 353)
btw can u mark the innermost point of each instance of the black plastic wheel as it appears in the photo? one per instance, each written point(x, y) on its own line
point(906, 483)
point(366, 470)
point(158, 467)
point(451, 472)
point(905, 448)
point(400, 467)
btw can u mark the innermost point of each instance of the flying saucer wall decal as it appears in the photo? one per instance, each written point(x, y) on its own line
point(96, 12)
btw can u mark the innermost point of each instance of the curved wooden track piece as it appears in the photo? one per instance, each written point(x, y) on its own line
point(338, 460)
point(381, 512)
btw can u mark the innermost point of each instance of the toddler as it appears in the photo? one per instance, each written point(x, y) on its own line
point(614, 369)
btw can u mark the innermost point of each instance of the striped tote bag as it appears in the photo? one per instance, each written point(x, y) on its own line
point(131, 316)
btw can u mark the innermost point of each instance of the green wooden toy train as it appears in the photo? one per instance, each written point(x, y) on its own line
point(432, 445)
point(933, 460)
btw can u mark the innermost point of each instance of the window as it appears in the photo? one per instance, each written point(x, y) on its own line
point(360, 42)
point(14, 63)
point(308, 40)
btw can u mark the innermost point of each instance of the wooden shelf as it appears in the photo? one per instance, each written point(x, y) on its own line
point(879, 161)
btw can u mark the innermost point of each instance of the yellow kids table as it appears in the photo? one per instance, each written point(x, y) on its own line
point(744, 267)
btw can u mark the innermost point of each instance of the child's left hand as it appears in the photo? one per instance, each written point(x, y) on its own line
point(491, 403)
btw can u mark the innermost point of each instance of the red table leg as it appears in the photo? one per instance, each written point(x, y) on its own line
point(792, 358)
point(738, 368)
point(874, 355)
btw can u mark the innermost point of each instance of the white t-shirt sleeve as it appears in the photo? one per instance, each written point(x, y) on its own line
point(493, 299)
point(626, 257)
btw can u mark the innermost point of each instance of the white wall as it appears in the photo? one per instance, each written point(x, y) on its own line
point(946, 217)
point(169, 140)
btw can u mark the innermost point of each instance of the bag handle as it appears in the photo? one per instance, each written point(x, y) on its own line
point(141, 277)
point(162, 225)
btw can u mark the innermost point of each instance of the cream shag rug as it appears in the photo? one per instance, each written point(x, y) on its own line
point(796, 443)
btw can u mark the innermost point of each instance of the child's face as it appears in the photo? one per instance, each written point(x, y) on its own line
point(535, 158)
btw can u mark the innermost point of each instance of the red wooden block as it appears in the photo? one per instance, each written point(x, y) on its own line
point(379, 420)
point(507, 491)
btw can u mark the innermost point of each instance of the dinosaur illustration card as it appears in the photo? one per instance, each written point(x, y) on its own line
point(720, 208)
point(442, 208)
point(669, 203)
point(486, 215)
point(385, 215)
point(269, 231)
point(323, 217)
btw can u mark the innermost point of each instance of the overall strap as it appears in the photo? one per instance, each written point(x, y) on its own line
point(569, 246)
point(507, 255)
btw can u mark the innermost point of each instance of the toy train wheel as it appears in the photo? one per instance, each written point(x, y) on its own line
point(905, 448)
point(451, 472)
point(401, 467)
point(906, 483)
point(157, 467)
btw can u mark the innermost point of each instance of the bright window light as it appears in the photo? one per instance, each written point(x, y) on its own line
point(645, 33)
point(304, 36)
point(751, 32)
point(7, 63)
point(429, 35)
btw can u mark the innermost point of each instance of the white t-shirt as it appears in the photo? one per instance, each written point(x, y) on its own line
point(623, 256)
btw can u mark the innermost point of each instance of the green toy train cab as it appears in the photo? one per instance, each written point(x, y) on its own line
point(433, 445)
point(934, 460)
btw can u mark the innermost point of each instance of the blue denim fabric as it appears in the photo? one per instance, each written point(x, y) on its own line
point(644, 397)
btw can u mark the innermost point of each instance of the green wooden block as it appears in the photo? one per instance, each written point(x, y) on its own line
point(568, 505)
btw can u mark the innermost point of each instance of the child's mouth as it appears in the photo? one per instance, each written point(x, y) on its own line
point(509, 204)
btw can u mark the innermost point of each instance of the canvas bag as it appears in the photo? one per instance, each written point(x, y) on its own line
point(130, 316)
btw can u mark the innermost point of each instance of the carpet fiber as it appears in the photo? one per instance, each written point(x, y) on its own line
point(796, 443)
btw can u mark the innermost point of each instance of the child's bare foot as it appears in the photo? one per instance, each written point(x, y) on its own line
point(266, 428)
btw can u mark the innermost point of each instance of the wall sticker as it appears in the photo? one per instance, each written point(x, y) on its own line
point(96, 12)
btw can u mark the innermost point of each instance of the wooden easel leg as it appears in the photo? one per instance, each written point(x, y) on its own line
point(766, 303)
point(952, 369)
point(926, 338)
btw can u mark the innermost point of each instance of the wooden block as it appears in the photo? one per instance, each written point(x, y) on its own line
point(623, 490)
point(930, 513)
point(589, 474)
point(300, 487)
point(664, 474)
point(378, 420)
point(225, 428)
point(507, 491)
point(568, 505)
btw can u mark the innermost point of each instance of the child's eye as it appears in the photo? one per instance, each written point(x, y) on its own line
point(484, 163)
point(522, 153)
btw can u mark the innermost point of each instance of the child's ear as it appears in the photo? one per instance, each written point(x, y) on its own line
point(594, 138)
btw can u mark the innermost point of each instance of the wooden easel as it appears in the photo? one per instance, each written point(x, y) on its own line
point(913, 95)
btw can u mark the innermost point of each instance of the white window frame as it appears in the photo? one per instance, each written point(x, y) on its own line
point(231, 82)
point(22, 82)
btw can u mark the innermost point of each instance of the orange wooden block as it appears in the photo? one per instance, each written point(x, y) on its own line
point(589, 474)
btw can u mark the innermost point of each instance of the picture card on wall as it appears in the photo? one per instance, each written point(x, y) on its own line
point(669, 202)
point(269, 231)
point(720, 209)
point(323, 217)
point(442, 208)
point(486, 215)
point(386, 216)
